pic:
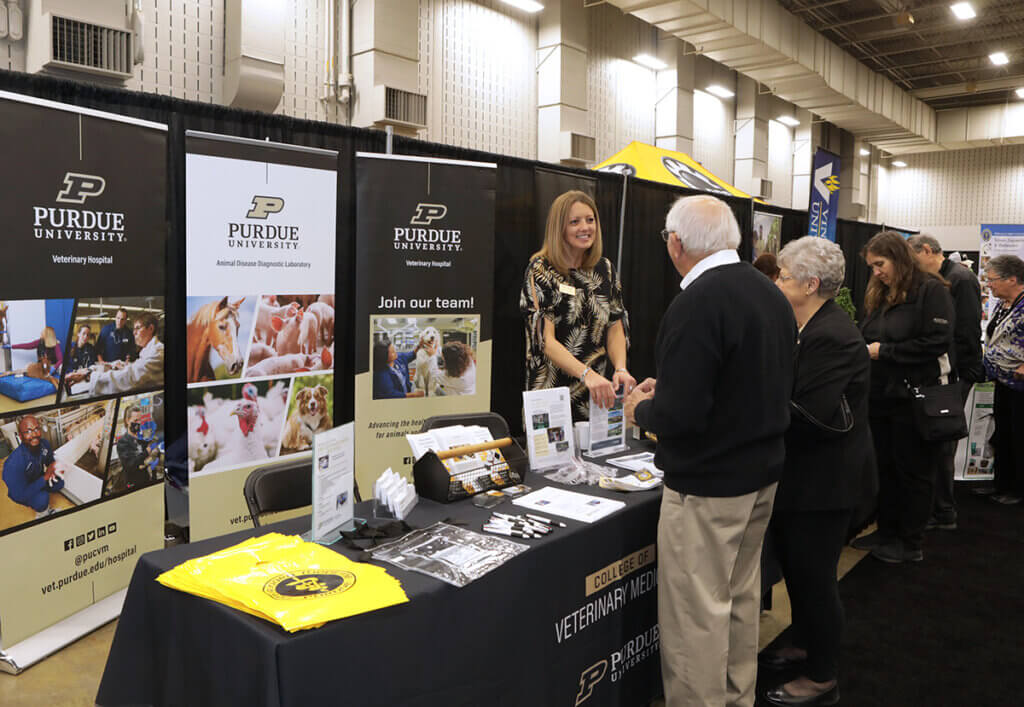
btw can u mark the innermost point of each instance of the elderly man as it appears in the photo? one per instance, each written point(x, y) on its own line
point(30, 470)
point(147, 371)
point(966, 293)
point(720, 409)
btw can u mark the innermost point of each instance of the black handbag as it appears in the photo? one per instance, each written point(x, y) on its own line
point(938, 412)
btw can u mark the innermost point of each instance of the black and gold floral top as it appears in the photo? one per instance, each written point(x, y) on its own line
point(582, 307)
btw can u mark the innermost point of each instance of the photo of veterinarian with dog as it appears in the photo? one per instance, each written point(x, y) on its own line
point(416, 357)
point(577, 329)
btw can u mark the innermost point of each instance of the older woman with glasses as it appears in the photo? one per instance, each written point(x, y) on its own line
point(827, 448)
point(1004, 363)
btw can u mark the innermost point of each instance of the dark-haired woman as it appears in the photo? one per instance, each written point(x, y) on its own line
point(391, 371)
point(459, 376)
point(909, 332)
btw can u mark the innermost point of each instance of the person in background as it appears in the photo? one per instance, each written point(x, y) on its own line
point(827, 447)
point(909, 330)
point(83, 354)
point(115, 339)
point(966, 292)
point(768, 264)
point(1004, 363)
point(576, 324)
point(30, 471)
point(391, 371)
point(720, 410)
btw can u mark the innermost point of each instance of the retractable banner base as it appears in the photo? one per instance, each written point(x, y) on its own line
point(50, 640)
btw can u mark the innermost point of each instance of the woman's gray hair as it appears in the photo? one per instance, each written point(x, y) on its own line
point(704, 224)
point(1007, 266)
point(812, 256)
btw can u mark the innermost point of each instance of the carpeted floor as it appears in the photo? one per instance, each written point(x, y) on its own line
point(946, 632)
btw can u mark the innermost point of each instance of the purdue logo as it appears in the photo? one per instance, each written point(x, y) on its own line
point(832, 183)
point(263, 206)
point(589, 679)
point(302, 586)
point(426, 213)
point(689, 177)
point(619, 168)
point(79, 187)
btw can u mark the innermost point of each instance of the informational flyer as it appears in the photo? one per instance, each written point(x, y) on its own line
point(583, 507)
point(82, 337)
point(975, 457)
point(607, 428)
point(449, 553)
point(641, 461)
point(333, 477)
point(548, 416)
point(259, 339)
point(767, 233)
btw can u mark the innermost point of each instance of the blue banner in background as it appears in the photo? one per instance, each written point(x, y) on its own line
point(823, 209)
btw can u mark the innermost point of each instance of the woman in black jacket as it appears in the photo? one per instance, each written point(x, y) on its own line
point(827, 448)
point(909, 330)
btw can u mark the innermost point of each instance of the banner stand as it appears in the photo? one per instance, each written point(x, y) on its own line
point(52, 639)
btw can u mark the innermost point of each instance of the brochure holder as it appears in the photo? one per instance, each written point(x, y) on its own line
point(436, 481)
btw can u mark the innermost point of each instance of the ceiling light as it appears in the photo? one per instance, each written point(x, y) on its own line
point(527, 5)
point(788, 120)
point(1020, 92)
point(999, 58)
point(650, 62)
point(720, 91)
point(963, 10)
point(899, 163)
point(864, 153)
point(904, 19)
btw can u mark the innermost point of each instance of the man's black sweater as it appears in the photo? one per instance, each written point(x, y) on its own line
point(966, 291)
point(724, 379)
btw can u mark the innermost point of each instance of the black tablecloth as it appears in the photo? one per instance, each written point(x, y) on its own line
point(527, 633)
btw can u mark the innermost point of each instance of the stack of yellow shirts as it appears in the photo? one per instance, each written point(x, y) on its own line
point(283, 579)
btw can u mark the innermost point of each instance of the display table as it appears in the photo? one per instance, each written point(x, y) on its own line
point(534, 631)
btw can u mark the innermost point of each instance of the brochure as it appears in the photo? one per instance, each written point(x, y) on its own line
point(548, 417)
point(569, 504)
point(333, 474)
point(607, 428)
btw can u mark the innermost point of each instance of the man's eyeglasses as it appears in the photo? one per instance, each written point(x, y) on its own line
point(665, 233)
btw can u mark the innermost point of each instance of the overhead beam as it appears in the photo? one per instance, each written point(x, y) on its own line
point(960, 89)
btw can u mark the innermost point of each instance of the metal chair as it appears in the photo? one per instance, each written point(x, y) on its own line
point(278, 487)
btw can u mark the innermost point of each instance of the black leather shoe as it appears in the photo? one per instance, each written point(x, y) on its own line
point(870, 541)
point(779, 696)
point(777, 661)
point(896, 553)
point(941, 523)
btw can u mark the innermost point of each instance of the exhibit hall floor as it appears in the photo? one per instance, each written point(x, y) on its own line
point(71, 677)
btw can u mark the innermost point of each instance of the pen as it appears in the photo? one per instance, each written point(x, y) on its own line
point(548, 521)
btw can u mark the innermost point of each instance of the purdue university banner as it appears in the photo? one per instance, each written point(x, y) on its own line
point(823, 209)
point(81, 366)
point(260, 235)
point(424, 297)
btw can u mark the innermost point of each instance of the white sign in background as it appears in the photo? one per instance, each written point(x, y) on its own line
point(224, 256)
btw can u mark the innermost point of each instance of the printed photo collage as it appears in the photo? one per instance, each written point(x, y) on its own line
point(81, 402)
point(260, 372)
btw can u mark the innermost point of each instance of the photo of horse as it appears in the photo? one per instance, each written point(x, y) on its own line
point(217, 330)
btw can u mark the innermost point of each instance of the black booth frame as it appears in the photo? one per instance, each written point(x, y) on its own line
point(649, 281)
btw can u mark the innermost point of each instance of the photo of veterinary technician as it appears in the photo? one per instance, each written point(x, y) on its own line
point(391, 370)
point(115, 339)
point(49, 357)
point(30, 470)
point(459, 375)
point(576, 325)
point(144, 372)
point(135, 452)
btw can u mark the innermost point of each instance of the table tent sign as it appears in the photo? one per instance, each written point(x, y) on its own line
point(424, 300)
point(259, 283)
point(81, 367)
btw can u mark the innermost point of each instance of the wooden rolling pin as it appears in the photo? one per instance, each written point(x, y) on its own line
point(468, 449)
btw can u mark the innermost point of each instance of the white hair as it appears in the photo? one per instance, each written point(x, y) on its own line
point(703, 223)
point(812, 256)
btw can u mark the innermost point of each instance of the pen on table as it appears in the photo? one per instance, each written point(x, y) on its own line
point(548, 521)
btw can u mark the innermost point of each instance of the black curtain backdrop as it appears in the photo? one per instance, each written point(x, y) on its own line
point(648, 279)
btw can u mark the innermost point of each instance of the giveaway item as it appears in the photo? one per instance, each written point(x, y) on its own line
point(938, 412)
point(288, 581)
point(638, 481)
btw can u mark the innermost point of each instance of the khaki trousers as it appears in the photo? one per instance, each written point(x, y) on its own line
point(709, 596)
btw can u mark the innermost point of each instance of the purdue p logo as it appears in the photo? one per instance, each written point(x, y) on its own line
point(589, 679)
point(79, 187)
point(425, 213)
point(263, 206)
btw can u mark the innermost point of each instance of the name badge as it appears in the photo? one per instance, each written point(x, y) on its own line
point(567, 289)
